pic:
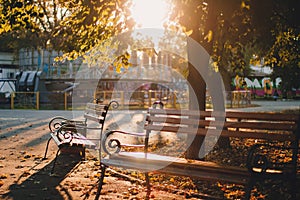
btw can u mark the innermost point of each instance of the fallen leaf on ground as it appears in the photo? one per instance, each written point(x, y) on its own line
point(3, 176)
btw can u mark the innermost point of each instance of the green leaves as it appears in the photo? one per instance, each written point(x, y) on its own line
point(89, 24)
point(284, 57)
point(73, 27)
point(16, 15)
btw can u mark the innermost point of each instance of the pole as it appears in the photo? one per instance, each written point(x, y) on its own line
point(174, 99)
point(66, 101)
point(122, 98)
point(37, 100)
point(149, 98)
point(12, 96)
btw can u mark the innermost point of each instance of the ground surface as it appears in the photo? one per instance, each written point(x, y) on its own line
point(25, 175)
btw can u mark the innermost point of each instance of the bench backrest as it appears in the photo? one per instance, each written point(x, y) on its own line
point(269, 126)
point(94, 113)
point(276, 127)
point(97, 112)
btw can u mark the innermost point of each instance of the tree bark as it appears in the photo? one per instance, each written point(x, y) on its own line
point(197, 84)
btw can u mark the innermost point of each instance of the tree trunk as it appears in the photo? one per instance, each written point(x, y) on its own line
point(200, 77)
point(197, 84)
point(224, 142)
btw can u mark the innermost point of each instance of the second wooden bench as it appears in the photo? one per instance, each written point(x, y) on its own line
point(272, 133)
point(71, 134)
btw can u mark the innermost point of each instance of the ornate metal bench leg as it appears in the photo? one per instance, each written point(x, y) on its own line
point(54, 162)
point(83, 153)
point(248, 188)
point(100, 184)
point(45, 156)
point(294, 187)
point(148, 185)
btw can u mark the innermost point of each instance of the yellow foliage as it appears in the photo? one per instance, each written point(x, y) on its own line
point(6, 27)
point(244, 5)
point(188, 33)
point(83, 46)
point(209, 36)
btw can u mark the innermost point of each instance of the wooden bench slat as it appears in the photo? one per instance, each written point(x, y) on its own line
point(163, 112)
point(282, 126)
point(178, 166)
point(83, 143)
point(228, 114)
point(99, 107)
point(56, 140)
point(77, 140)
point(208, 175)
point(93, 117)
point(288, 126)
point(263, 116)
point(80, 139)
point(93, 112)
point(224, 133)
point(259, 135)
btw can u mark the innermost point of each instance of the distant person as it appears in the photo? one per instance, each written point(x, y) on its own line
point(275, 95)
point(267, 88)
point(244, 84)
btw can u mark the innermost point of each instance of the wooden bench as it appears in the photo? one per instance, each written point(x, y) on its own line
point(272, 133)
point(71, 134)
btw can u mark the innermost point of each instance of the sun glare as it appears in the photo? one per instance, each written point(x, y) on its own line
point(149, 13)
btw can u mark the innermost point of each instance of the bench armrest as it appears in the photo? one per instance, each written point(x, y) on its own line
point(56, 123)
point(67, 131)
point(114, 144)
point(270, 159)
point(62, 133)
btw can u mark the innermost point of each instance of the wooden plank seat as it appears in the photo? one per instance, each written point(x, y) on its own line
point(71, 134)
point(271, 132)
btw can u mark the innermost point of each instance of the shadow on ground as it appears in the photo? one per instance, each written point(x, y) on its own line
point(42, 185)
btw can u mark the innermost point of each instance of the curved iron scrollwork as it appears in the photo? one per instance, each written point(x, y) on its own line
point(113, 144)
point(256, 160)
point(113, 104)
point(56, 123)
point(159, 104)
point(268, 158)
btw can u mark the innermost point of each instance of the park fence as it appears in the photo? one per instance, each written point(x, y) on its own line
point(68, 100)
point(127, 99)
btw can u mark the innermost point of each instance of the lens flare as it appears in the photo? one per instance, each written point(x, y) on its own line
point(150, 13)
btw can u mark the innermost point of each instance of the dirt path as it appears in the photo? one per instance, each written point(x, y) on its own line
point(25, 175)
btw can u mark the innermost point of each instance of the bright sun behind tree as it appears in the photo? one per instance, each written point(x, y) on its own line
point(150, 13)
